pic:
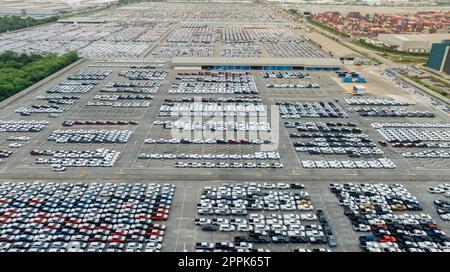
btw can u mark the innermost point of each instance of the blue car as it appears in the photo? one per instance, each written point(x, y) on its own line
point(367, 238)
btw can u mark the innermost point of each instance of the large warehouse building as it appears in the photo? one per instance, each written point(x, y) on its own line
point(440, 57)
point(412, 42)
point(223, 63)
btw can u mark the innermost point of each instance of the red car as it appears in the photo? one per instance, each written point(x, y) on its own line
point(380, 226)
point(36, 152)
point(386, 239)
point(159, 217)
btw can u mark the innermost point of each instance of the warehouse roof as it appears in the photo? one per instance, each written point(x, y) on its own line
point(432, 38)
point(325, 62)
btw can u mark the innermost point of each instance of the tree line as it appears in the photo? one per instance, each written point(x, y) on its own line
point(362, 42)
point(10, 23)
point(19, 71)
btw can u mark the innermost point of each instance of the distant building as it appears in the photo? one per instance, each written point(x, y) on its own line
point(420, 43)
point(439, 58)
point(44, 8)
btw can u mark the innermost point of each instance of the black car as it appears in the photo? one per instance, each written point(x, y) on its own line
point(246, 239)
point(210, 227)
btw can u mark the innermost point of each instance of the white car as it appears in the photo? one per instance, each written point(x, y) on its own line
point(305, 207)
point(361, 227)
point(15, 145)
point(227, 227)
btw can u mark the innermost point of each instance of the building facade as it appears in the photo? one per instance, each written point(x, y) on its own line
point(439, 58)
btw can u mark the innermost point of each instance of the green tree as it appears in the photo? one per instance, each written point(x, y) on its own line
point(19, 71)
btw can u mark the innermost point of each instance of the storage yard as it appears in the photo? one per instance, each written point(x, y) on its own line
point(199, 130)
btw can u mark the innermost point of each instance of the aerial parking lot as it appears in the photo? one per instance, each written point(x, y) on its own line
point(248, 158)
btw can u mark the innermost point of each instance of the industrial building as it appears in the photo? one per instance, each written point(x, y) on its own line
point(439, 57)
point(223, 63)
point(420, 43)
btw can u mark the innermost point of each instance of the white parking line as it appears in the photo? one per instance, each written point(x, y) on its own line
point(181, 218)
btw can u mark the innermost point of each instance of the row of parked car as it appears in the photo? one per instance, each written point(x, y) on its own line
point(390, 112)
point(206, 141)
point(133, 84)
point(136, 87)
point(69, 123)
point(115, 97)
point(69, 89)
point(411, 135)
point(175, 108)
point(53, 110)
point(327, 127)
point(89, 74)
point(133, 90)
point(93, 217)
point(19, 138)
point(90, 136)
point(354, 152)
point(285, 75)
point(60, 100)
point(443, 209)
point(382, 163)
point(97, 153)
point(419, 144)
point(212, 125)
point(144, 74)
point(375, 101)
point(61, 159)
point(296, 110)
point(429, 154)
point(373, 208)
point(144, 104)
point(440, 189)
point(60, 165)
point(22, 125)
point(271, 228)
point(80, 82)
point(216, 77)
point(196, 87)
point(221, 99)
point(410, 125)
point(301, 85)
point(333, 140)
point(268, 164)
point(240, 199)
point(269, 222)
point(353, 136)
point(256, 155)
point(227, 246)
